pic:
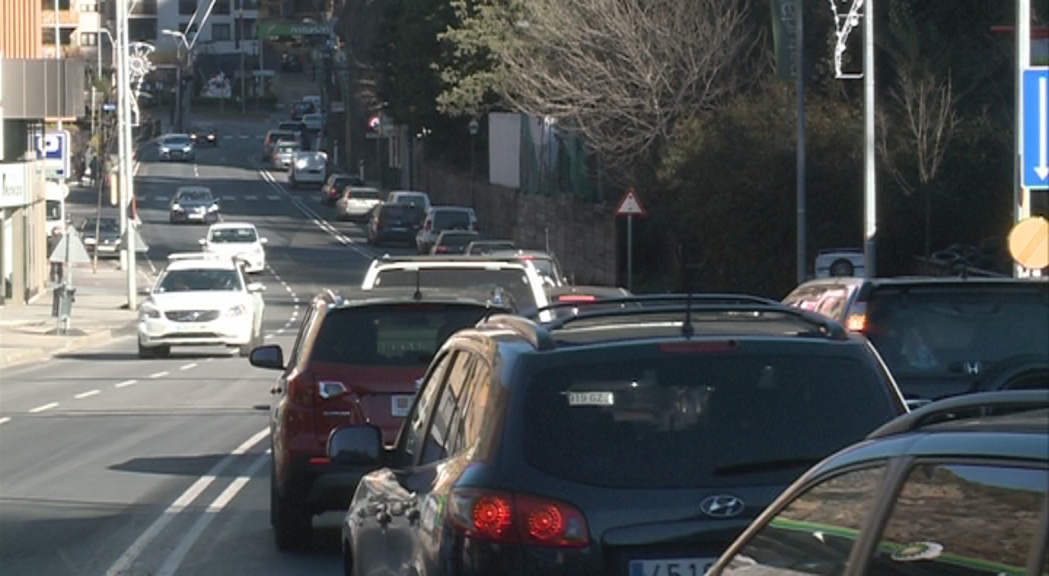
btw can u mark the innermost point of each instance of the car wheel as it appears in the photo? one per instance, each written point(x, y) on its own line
point(292, 521)
point(144, 352)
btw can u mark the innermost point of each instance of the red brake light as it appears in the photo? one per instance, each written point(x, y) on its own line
point(576, 298)
point(692, 347)
point(856, 321)
point(517, 518)
point(320, 461)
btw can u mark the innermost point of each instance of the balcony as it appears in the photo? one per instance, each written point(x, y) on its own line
point(66, 18)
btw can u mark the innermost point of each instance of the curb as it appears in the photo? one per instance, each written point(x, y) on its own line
point(89, 340)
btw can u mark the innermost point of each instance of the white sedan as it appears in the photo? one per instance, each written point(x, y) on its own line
point(239, 240)
point(200, 299)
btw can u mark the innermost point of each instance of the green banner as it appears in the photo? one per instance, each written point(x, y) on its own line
point(278, 28)
point(784, 29)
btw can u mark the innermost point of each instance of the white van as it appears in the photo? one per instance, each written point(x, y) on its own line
point(55, 195)
point(308, 169)
point(840, 262)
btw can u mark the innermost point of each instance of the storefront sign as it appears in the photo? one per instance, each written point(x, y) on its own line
point(13, 189)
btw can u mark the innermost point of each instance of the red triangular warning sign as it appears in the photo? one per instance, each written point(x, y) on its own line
point(630, 205)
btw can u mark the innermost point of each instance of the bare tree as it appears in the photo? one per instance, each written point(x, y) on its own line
point(620, 72)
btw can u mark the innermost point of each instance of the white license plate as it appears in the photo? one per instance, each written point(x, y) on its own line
point(671, 567)
point(400, 403)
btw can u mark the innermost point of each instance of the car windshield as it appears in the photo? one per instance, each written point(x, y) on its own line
point(231, 235)
point(451, 219)
point(487, 247)
point(401, 212)
point(547, 268)
point(290, 126)
point(177, 141)
point(957, 334)
point(508, 286)
point(203, 129)
point(638, 418)
point(104, 225)
point(391, 335)
point(364, 193)
point(223, 280)
point(195, 197)
point(285, 146)
point(54, 209)
point(456, 239)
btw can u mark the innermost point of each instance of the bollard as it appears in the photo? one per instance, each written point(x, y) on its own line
point(62, 300)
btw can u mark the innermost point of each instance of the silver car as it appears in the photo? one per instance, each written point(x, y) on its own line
point(284, 154)
point(176, 147)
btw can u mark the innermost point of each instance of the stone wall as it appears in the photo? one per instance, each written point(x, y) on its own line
point(582, 235)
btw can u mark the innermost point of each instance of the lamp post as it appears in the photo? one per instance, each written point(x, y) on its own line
point(94, 85)
point(181, 38)
point(473, 127)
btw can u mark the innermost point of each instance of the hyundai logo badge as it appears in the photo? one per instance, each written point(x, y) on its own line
point(721, 506)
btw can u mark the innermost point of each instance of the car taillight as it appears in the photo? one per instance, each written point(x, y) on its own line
point(441, 249)
point(698, 347)
point(301, 389)
point(517, 518)
point(856, 321)
point(576, 298)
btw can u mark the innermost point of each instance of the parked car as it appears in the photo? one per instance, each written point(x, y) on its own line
point(308, 169)
point(440, 218)
point(357, 203)
point(395, 222)
point(943, 336)
point(238, 240)
point(107, 242)
point(452, 242)
point(284, 154)
point(956, 487)
point(482, 247)
point(354, 360)
point(200, 299)
point(193, 203)
point(409, 197)
point(334, 185)
point(637, 441)
point(204, 135)
point(176, 147)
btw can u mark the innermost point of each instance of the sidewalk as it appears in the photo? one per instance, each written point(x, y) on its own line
point(29, 333)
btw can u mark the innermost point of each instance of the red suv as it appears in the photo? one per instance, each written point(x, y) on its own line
point(354, 362)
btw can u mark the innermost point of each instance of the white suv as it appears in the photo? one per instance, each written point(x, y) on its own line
point(516, 284)
point(200, 299)
point(237, 240)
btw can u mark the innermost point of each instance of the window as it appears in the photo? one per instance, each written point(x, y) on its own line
point(448, 433)
point(815, 532)
point(220, 32)
point(954, 519)
point(221, 7)
point(508, 286)
point(187, 7)
point(88, 6)
point(411, 434)
point(142, 29)
point(88, 39)
point(297, 348)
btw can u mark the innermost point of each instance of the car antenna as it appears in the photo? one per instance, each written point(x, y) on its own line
point(418, 283)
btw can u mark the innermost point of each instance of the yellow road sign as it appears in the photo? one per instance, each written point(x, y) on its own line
point(1029, 243)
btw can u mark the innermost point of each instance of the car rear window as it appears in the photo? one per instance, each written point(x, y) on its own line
point(457, 239)
point(957, 333)
point(620, 419)
point(390, 335)
point(364, 194)
point(451, 219)
point(401, 211)
point(508, 286)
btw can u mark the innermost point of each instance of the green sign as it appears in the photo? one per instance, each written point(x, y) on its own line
point(278, 28)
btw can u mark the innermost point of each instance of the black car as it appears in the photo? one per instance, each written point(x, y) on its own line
point(204, 135)
point(957, 487)
point(107, 241)
point(639, 440)
point(395, 223)
point(290, 62)
point(193, 204)
point(946, 335)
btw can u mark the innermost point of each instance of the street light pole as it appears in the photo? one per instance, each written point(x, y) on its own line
point(179, 37)
point(474, 127)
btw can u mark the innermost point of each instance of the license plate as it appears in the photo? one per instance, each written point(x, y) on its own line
point(671, 567)
point(400, 404)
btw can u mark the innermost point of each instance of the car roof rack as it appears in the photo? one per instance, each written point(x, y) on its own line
point(686, 303)
point(389, 258)
point(963, 407)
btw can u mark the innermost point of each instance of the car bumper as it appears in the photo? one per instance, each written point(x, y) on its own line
point(176, 155)
point(194, 216)
point(233, 331)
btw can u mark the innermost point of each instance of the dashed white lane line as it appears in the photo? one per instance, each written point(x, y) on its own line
point(268, 336)
point(125, 383)
point(159, 374)
point(189, 366)
point(43, 408)
point(251, 197)
point(273, 198)
point(87, 394)
point(4, 420)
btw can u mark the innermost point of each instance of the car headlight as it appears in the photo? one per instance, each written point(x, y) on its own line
point(300, 164)
point(187, 149)
point(176, 208)
point(213, 208)
point(211, 136)
point(164, 150)
point(148, 310)
point(237, 310)
point(89, 241)
point(193, 136)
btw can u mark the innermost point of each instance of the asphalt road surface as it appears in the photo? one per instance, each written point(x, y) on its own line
point(116, 465)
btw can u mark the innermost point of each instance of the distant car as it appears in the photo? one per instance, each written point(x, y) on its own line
point(479, 247)
point(409, 197)
point(107, 243)
point(176, 147)
point(301, 108)
point(547, 265)
point(440, 218)
point(193, 204)
point(200, 299)
point(284, 153)
point(332, 188)
point(356, 203)
point(314, 122)
point(204, 135)
point(275, 136)
point(308, 169)
point(956, 487)
point(452, 242)
point(291, 62)
point(238, 240)
point(395, 222)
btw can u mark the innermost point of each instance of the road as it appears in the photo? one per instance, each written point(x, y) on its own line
point(114, 465)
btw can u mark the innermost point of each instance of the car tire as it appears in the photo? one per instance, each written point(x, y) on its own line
point(292, 522)
point(155, 352)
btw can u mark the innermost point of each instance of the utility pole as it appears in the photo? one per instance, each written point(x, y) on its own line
point(61, 92)
point(126, 150)
point(870, 227)
point(1022, 201)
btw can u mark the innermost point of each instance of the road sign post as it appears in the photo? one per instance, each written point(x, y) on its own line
point(53, 149)
point(630, 206)
point(1035, 170)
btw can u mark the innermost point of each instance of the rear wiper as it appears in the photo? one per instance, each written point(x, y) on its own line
point(764, 466)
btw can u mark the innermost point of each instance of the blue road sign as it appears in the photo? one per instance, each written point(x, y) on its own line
point(1036, 128)
point(53, 149)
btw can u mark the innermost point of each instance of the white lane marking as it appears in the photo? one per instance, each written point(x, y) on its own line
point(268, 336)
point(188, 366)
point(159, 374)
point(244, 136)
point(227, 198)
point(288, 288)
point(42, 408)
point(273, 198)
point(162, 198)
point(4, 420)
point(123, 564)
point(174, 560)
point(251, 197)
point(87, 394)
point(280, 330)
point(125, 383)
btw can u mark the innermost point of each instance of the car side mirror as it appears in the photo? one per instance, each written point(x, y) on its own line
point(202, 241)
point(256, 287)
point(356, 445)
point(145, 291)
point(267, 356)
point(264, 241)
